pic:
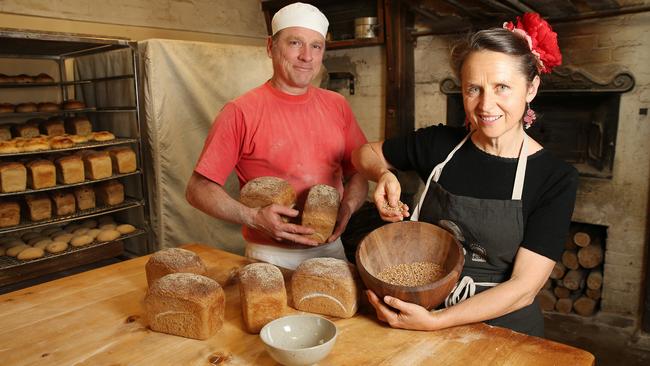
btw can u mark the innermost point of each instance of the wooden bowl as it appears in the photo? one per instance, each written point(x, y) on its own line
point(408, 242)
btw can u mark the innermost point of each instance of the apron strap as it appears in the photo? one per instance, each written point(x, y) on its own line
point(464, 289)
point(435, 175)
point(521, 171)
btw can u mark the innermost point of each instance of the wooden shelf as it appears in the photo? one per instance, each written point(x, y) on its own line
point(352, 43)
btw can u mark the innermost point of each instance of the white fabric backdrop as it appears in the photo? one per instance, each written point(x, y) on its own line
point(185, 85)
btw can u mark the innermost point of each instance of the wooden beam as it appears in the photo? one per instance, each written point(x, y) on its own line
point(519, 6)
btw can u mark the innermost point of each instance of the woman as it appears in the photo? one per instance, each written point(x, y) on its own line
point(503, 196)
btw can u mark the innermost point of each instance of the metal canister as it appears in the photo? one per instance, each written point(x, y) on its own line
point(365, 27)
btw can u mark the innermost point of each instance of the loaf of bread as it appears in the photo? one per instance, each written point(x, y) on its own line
point(53, 127)
point(9, 213)
point(73, 104)
point(70, 169)
point(98, 165)
point(85, 197)
point(263, 191)
point(173, 260)
point(48, 107)
point(26, 130)
point(13, 177)
point(41, 174)
point(64, 203)
point(123, 159)
point(262, 294)
point(109, 193)
point(36, 144)
point(186, 305)
point(325, 286)
point(78, 126)
point(61, 142)
point(26, 107)
point(320, 211)
point(5, 132)
point(39, 207)
point(43, 78)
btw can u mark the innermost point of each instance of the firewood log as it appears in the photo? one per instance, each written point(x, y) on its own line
point(584, 306)
point(570, 259)
point(592, 293)
point(595, 279)
point(590, 256)
point(564, 306)
point(558, 271)
point(561, 292)
point(581, 238)
point(546, 300)
point(574, 279)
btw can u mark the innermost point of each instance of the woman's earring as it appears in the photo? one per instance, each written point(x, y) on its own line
point(529, 117)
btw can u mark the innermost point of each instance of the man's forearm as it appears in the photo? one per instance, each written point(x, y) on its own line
point(356, 191)
point(213, 200)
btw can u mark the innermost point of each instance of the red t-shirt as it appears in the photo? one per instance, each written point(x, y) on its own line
point(305, 139)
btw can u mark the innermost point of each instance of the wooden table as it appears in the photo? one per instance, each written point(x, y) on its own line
point(95, 318)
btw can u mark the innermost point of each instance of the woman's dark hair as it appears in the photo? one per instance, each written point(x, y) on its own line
point(497, 40)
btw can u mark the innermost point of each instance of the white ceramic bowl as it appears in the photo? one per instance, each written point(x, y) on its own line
point(299, 340)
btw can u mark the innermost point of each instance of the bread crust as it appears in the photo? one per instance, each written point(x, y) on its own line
point(263, 191)
point(262, 294)
point(173, 260)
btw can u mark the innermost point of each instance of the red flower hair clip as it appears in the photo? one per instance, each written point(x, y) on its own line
point(541, 40)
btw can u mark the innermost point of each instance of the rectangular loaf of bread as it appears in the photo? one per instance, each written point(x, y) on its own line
point(262, 294)
point(186, 305)
point(124, 160)
point(321, 210)
point(263, 191)
point(53, 127)
point(78, 126)
point(39, 207)
point(85, 197)
point(325, 286)
point(109, 193)
point(5, 132)
point(64, 203)
point(41, 174)
point(26, 130)
point(9, 213)
point(13, 177)
point(97, 165)
point(70, 169)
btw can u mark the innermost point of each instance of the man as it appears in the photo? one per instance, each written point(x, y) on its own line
point(289, 129)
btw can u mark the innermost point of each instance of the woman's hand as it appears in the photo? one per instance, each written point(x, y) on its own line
point(410, 316)
point(386, 198)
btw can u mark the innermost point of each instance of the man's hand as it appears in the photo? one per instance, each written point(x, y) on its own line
point(269, 220)
point(342, 220)
point(387, 198)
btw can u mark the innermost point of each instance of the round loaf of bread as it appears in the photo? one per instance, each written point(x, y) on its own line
point(7, 108)
point(93, 233)
point(80, 231)
point(35, 144)
point(102, 136)
point(9, 147)
point(108, 235)
point(14, 251)
point(111, 226)
point(125, 228)
point(13, 243)
point(173, 260)
point(71, 228)
point(6, 79)
point(26, 108)
point(77, 139)
point(56, 247)
point(81, 240)
point(263, 191)
point(23, 78)
point(43, 78)
point(73, 104)
point(63, 237)
point(43, 243)
point(31, 253)
point(36, 239)
point(61, 142)
point(48, 107)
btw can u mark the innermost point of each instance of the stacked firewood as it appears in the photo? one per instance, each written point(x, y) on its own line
point(576, 281)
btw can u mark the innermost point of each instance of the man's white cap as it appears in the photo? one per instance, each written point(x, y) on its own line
point(300, 15)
